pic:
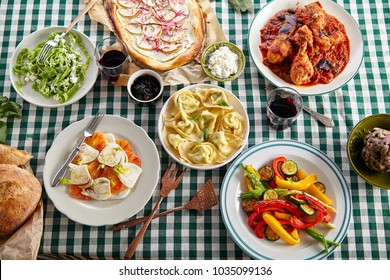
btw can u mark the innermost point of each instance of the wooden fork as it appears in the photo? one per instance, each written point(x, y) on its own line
point(168, 182)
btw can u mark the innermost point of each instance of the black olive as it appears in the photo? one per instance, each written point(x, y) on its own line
point(282, 17)
point(145, 87)
point(291, 11)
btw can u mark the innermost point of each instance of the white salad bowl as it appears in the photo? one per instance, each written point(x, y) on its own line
point(33, 97)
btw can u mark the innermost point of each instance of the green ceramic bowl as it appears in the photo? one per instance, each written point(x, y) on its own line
point(212, 48)
point(355, 145)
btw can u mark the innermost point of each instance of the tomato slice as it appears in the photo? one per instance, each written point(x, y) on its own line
point(75, 191)
point(115, 183)
point(132, 158)
point(96, 141)
point(94, 169)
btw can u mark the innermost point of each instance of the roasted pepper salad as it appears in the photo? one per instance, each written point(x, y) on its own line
point(282, 201)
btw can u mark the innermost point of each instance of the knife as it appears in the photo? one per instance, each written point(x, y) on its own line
point(88, 131)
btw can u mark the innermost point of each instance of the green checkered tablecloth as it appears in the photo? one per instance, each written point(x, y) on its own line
point(189, 235)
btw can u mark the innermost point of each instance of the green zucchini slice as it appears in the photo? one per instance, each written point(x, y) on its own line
point(289, 167)
point(306, 209)
point(270, 195)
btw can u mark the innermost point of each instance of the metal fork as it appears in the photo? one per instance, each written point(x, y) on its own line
point(168, 183)
point(88, 131)
point(51, 44)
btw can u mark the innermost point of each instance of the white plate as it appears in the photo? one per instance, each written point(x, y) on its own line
point(353, 31)
point(93, 212)
point(232, 100)
point(311, 160)
point(33, 97)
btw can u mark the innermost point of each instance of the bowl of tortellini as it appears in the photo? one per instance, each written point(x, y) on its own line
point(203, 126)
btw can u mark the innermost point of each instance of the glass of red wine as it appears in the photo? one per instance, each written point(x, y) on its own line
point(284, 105)
point(112, 58)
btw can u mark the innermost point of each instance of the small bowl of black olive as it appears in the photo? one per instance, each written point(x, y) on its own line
point(145, 87)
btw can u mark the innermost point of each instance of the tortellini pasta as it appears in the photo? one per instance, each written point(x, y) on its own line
point(201, 127)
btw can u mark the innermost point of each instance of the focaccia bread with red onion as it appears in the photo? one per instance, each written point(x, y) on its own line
point(160, 34)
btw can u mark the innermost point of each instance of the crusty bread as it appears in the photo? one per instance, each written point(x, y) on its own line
point(20, 192)
point(10, 155)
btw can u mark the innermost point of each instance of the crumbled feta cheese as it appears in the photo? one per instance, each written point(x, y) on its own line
point(223, 62)
point(73, 79)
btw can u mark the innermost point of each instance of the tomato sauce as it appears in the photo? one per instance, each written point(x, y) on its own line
point(337, 57)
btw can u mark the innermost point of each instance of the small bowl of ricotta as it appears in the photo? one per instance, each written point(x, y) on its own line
point(223, 61)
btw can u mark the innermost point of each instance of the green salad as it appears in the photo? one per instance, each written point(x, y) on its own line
point(61, 74)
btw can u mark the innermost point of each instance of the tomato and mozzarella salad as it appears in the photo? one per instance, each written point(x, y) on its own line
point(105, 168)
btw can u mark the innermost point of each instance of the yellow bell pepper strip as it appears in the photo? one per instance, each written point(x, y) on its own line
point(282, 216)
point(313, 190)
point(295, 234)
point(247, 181)
point(277, 227)
point(251, 169)
point(248, 184)
point(300, 185)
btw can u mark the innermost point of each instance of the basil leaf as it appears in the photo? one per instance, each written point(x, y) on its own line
point(3, 132)
point(206, 134)
point(10, 109)
point(194, 118)
point(222, 102)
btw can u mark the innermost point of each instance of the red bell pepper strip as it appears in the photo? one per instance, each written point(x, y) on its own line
point(276, 163)
point(277, 205)
point(259, 229)
point(299, 224)
point(317, 205)
point(254, 219)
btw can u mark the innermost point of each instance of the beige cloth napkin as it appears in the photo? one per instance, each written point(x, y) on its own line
point(24, 243)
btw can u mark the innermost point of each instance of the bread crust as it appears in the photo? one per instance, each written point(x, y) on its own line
point(196, 19)
point(10, 155)
point(20, 193)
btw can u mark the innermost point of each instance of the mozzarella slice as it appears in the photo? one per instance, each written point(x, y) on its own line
point(110, 138)
point(111, 155)
point(79, 175)
point(129, 174)
point(100, 189)
point(87, 154)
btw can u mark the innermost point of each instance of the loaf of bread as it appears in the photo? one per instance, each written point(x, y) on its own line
point(20, 193)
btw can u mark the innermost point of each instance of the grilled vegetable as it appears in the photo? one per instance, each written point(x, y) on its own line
point(270, 234)
point(270, 195)
point(306, 209)
point(289, 168)
point(257, 186)
point(266, 173)
point(320, 186)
